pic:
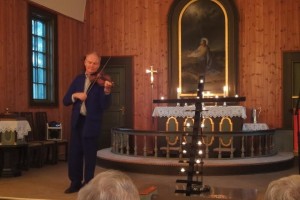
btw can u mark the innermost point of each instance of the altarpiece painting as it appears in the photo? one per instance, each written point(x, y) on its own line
point(205, 44)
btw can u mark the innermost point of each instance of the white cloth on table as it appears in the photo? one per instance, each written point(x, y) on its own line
point(20, 126)
point(255, 126)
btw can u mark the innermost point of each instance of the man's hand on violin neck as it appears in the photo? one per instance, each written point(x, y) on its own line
point(107, 87)
point(108, 84)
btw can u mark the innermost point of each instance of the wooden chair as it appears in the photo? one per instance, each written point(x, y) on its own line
point(172, 142)
point(33, 156)
point(43, 124)
point(225, 141)
point(188, 125)
point(207, 125)
point(58, 138)
point(50, 146)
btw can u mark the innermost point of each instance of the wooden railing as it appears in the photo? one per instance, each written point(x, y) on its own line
point(163, 144)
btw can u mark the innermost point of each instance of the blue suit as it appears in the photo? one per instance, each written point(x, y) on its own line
point(84, 130)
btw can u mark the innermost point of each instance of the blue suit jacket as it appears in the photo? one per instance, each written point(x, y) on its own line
point(95, 103)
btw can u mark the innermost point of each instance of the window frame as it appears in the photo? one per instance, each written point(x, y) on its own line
point(52, 79)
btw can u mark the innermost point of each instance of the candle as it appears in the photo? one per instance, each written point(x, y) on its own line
point(236, 96)
point(162, 98)
point(216, 98)
point(178, 93)
point(208, 93)
point(225, 91)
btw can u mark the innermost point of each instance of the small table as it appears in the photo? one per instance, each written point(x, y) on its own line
point(12, 145)
point(20, 126)
point(253, 141)
point(255, 126)
point(10, 156)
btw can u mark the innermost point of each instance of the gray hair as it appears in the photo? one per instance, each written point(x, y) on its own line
point(109, 185)
point(286, 188)
point(204, 39)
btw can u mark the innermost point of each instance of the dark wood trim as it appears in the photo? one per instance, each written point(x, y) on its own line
point(289, 60)
point(51, 18)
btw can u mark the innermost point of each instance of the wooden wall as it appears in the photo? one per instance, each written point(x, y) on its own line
point(139, 28)
point(14, 58)
point(267, 29)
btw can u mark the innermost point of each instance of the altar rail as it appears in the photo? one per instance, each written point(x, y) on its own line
point(242, 144)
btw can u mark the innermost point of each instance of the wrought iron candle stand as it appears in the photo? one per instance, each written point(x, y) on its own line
point(194, 150)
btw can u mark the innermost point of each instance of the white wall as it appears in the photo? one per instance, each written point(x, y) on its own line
point(71, 8)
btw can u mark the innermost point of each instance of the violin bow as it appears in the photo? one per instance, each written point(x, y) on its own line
point(97, 72)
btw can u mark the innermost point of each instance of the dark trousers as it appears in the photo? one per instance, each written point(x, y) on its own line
point(82, 156)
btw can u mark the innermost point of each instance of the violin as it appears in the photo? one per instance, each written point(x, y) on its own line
point(100, 78)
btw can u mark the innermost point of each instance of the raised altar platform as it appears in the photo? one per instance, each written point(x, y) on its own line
point(125, 155)
point(231, 146)
point(152, 165)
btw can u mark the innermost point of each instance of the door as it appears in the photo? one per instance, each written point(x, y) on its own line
point(120, 112)
point(291, 86)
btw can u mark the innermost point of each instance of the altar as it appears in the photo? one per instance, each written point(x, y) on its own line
point(237, 114)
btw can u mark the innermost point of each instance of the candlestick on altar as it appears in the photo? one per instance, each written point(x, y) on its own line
point(225, 91)
point(151, 71)
point(178, 94)
point(216, 103)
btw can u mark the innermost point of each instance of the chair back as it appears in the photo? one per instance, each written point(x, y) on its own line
point(208, 125)
point(41, 124)
point(29, 117)
point(188, 124)
point(172, 125)
point(226, 126)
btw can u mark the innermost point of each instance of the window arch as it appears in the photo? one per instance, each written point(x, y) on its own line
point(195, 22)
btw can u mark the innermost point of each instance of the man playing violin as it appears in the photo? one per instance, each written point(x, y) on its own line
point(89, 98)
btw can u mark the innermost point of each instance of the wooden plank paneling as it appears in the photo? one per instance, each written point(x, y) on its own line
point(265, 30)
point(140, 28)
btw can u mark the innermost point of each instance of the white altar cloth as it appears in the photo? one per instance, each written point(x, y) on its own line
point(210, 111)
point(20, 126)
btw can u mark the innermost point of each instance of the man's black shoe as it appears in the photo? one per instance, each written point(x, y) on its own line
point(72, 190)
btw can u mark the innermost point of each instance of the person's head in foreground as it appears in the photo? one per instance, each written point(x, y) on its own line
point(109, 185)
point(286, 188)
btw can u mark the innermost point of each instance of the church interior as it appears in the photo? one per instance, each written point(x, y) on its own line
point(220, 78)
